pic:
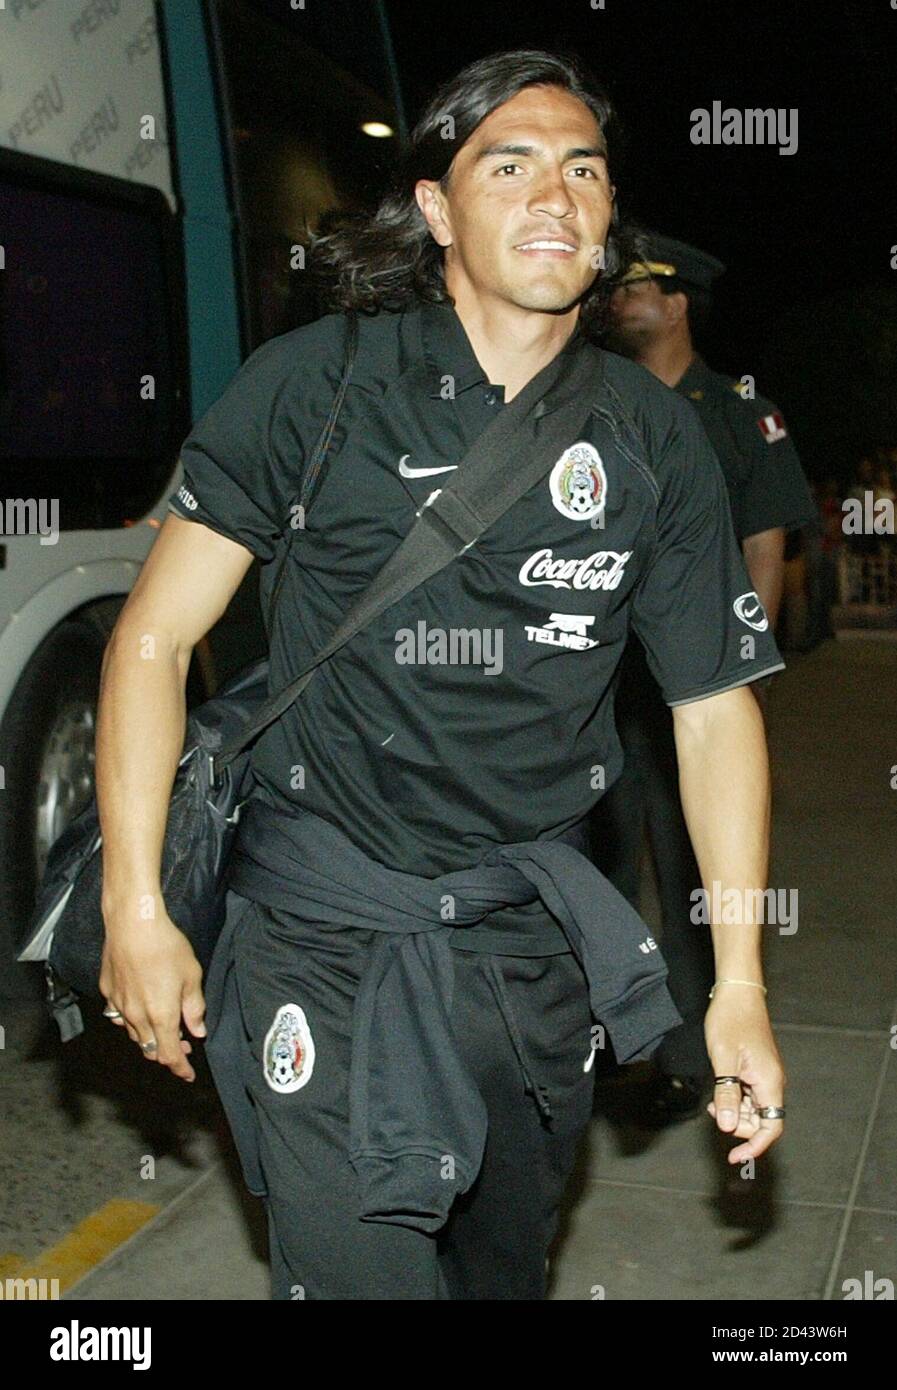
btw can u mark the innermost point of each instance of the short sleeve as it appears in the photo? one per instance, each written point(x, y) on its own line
point(703, 628)
point(777, 493)
point(230, 483)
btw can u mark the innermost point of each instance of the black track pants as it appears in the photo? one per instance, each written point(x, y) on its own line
point(496, 1239)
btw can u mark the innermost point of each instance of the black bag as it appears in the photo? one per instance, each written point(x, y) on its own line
point(67, 927)
point(214, 777)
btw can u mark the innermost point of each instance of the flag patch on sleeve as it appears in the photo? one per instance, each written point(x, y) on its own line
point(772, 427)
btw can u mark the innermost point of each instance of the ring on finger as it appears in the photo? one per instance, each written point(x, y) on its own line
point(149, 1046)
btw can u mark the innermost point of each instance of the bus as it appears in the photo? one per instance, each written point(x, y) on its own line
point(161, 167)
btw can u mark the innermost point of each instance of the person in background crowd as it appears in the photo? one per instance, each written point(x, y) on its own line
point(866, 482)
point(656, 310)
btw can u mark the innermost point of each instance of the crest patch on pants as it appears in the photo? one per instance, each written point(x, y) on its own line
point(288, 1058)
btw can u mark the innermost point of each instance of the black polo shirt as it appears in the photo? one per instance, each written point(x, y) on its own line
point(424, 745)
point(765, 481)
point(765, 484)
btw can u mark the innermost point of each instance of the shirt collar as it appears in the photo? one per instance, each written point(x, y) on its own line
point(696, 378)
point(447, 350)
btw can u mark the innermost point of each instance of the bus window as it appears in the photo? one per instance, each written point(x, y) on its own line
point(298, 154)
point(88, 381)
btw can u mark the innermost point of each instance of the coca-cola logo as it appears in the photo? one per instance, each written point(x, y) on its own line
point(603, 569)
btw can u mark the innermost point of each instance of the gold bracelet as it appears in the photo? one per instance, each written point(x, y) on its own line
point(755, 983)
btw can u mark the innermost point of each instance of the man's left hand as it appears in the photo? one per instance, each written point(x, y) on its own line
point(740, 1042)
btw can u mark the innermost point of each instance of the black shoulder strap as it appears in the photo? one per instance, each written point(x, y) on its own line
point(511, 455)
point(316, 464)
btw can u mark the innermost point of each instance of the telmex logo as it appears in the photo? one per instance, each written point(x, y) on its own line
point(564, 630)
point(602, 570)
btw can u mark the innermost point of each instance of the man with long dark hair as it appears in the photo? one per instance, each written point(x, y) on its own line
point(402, 1001)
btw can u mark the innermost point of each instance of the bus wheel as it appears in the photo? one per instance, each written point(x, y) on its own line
point(47, 753)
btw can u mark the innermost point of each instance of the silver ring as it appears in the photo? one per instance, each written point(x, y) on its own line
point(111, 1013)
point(772, 1112)
point(149, 1046)
point(724, 1080)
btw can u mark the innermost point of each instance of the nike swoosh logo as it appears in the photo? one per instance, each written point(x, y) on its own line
point(407, 472)
point(753, 612)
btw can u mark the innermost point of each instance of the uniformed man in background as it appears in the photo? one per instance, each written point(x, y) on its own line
point(658, 311)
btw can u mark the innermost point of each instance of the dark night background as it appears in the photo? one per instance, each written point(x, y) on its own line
point(809, 303)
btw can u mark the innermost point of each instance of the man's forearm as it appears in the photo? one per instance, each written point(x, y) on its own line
point(725, 789)
point(140, 735)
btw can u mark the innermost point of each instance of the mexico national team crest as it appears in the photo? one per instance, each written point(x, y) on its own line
point(578, 483)
point(289, 1054)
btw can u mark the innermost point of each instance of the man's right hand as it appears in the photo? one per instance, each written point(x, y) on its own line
point(150, 974)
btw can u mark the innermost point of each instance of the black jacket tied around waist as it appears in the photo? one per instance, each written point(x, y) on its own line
point(412, 1101)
